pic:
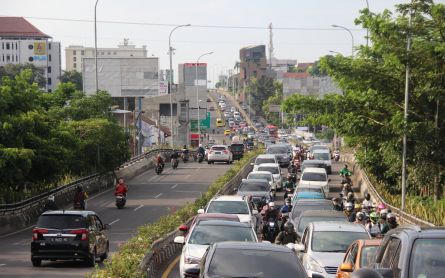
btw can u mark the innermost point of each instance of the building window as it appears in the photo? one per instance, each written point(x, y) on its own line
point(82, 52)
point(75, 65)
point(74, 59)
point(3, 58)
point(31, 59)
point(16, 57)
point(8, 58)
point(49, 69)
point(74, 52)
point(49, 46)
point(49, 57)
point(7, 45)
point(12, 58)
point(49, 91)
point(49, 80)
point(109, 53)
point(102, 53)
point(3, 45)
point(114, 53)
point(30, 46)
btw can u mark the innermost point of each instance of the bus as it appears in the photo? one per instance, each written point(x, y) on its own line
point(220, 123)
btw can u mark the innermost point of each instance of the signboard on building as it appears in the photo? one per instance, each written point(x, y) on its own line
point(163, 88)
point(122, 77)
point(274, 108)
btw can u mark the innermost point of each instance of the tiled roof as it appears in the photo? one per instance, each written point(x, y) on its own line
point(296, 74)
point(13, 27)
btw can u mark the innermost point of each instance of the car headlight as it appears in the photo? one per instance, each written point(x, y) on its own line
point(313, 265)
point(191, 260)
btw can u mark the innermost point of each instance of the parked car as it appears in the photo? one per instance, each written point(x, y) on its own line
point(315, 177)
point(203, 234)
point(275, 170)
point(246, 259)
point(219, 153)
point(324, 244)
point(310, 216)
point(69, 235)
point(260, 191)
point(360, 254)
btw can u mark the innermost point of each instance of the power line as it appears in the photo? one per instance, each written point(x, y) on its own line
point(192, 26)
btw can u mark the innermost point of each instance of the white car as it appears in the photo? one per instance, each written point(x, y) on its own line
point(219, 153)
point(325, 156)
point(233, 109)
point(232, 204)
point(205, 233)
point(264, 158)
point(263, 175)
point(324, 244)
point(315, 177)
point(275, 170)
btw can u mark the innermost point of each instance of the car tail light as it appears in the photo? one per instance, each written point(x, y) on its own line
point(226, 151)
point(37, 233)
point(82, 232)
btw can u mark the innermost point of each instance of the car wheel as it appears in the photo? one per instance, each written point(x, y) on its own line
point(228, 161)
point(209, 162)
point(91, 261)
point(36, 262)
point(104, 256)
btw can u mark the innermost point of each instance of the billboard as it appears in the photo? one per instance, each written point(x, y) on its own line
point(122, 77)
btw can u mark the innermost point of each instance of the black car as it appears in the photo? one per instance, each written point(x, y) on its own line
point(237, 150)
point(282, 152)
point(260, 191)
point(69, 235)
point(248, 259)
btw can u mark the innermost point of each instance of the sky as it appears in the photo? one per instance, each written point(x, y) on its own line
point(310, 37)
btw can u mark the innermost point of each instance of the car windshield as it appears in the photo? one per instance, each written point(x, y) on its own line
point(218, 148)
point(254, 263)
point(299, 208)
point(304, 221)
point(61, 221)
point(322, 156)
point(313, 177)
point(338, 242)
point(309, 189)
point(260, 177)
point(368, 255)
point(230, 207)
point(259, 161)
point(249, 186)
point(277, 150)
point(427, 258)
point(206, 234)
point(273, 170)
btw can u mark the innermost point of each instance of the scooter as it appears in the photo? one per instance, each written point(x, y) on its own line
point(271, 230)
point(159, 169)
point(120, 201)
point(200, 157)
point(184, 157)
point(174, 162)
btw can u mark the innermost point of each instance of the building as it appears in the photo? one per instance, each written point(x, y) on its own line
point(305, 84)
point(75, 53)
point(22, 42)
point(188, 83)
point(253, 63)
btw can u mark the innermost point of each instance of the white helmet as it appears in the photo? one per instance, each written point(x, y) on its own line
point(200, 145)
point(349, 206)
point(51, 198)
point(271, 204)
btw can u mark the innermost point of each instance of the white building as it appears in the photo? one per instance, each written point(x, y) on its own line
point(305, 84)
point(23, 43)
point(75, 53)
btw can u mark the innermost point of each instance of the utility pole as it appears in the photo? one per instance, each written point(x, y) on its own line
point(95, 45)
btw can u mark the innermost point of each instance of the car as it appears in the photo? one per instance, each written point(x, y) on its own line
point(231, 204)
point(324, 244)
point(318, 147)
point(259, 190)
point(325, 156)
point(220, 122)
point(209, 216)
point(360, 254)
point(233, 109)
point(227, 132)
point(307, 195)
point(69, 235)
point(301, 205)
point(313, 163)
point(263, 175)
point(315, 177)
point(310, 216)
point(205, 233)
point(209, 100)
point(237, 149)
point(264, 158)
point(231, 124)
point(412, 251)
point(316, 189)
point(248, 259)
point(251, 135)
point(275, 170)
point(219, 153)
point(282, 152)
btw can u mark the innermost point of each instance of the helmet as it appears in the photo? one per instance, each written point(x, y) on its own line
point(336, 200)
point(360, 216)
point(200, 145)
point(357, 206)
point(349, 206)
point(288, 201)
point(185, 147)
point(391, 218)
point(271, 204)
point(374, 217)
point(288, 227)
point(381, 206)
point(365, 273)
point(350, 195)
point(346, 166)
point(51, 198)
point(384, 213)
point(367, 196)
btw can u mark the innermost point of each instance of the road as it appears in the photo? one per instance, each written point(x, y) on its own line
point(149, 197)
point(172, 271)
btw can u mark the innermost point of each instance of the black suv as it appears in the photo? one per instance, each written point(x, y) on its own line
point(411, 251)
point(69, 235)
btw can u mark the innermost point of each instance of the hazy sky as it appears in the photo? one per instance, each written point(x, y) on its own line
point(190, 42)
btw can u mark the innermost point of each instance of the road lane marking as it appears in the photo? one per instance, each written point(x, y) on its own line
point(113, 222)
point(174, 186)
point(170, 267)
point(157, 196)
point(2, 264)
point(138, 207)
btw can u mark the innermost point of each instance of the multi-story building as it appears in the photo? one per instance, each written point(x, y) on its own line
point(75, 53)
point(253, 63)
point(305, 84)
point(22, 43)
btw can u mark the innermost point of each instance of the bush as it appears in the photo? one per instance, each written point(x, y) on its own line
point(125, 263)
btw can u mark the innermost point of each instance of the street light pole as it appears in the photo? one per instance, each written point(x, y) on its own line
point(350, 33)
point(367, 29)
point(197, 94)
point(170, 78)
point(95, 44)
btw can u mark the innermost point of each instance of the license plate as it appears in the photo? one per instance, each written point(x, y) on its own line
point(217, 152)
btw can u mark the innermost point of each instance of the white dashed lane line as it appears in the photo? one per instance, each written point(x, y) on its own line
point(138, 207)
point(113, 222)
point(157, 196)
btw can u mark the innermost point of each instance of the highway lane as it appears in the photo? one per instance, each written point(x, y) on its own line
point(150, 196)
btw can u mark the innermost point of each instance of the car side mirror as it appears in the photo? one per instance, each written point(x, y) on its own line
point(179, 239)
point(184, 228)
point(106, 227)
point(254, 212)
point(192, 273)
point(201, 211)
point(299, 247)
point(346, 267)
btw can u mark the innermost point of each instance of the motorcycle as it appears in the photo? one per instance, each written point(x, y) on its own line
point(288, 193)
point(159, 169)
point(346, 188)
point(336, 157)
point(174, 162)
point(200, 157)
point(184, 157)
point(271, 230)
point(120, 201)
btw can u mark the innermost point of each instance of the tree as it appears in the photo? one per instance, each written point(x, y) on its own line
point(12, 70)
point(259, 90)
point(74, 77)
point(275, 99)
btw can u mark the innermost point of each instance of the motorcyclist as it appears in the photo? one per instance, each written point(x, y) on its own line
point(350, 198)
point(336, 154)
point(287, 206)
point(287, 236)
point(391, 223)
point(345, 171)
point(349, 211)
point(269, 213)
point(174, 155)
point(367, 203)
point(337, 204)
point(121, 188)
point(159, 161)
point(50, 204)
point(288, 187)
point(201, 150)
point(185, 152)
point(272, 212)
point(79, 198)
point(360, 218)
point(374, 227)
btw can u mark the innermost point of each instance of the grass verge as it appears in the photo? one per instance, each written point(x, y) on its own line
point(125, 262)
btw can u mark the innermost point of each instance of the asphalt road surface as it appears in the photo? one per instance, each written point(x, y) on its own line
point(149, 197)
point(172, 269)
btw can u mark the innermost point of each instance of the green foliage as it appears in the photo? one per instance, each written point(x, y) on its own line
point(275, 99)
point(74, 77)
point(370, 113)
point(37, 75)
point(125, 262)
point(46, 136)
point(259, 90)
